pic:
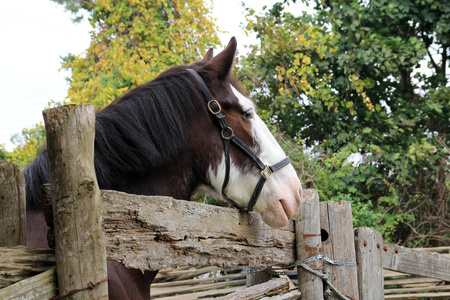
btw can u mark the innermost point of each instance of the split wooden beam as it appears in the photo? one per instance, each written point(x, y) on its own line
point(153, 233)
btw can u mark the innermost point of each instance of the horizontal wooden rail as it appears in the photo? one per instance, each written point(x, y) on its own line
point(407, 260)
point(152, 233)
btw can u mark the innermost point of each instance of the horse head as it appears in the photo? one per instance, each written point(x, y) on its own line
point(255, 159)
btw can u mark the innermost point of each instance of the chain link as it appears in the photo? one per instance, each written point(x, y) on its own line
point(327, 259)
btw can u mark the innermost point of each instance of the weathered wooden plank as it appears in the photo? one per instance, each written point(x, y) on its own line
point(42, 286)
point(445, 295)
point(202, 295)
point(271, 288)
point(183, 274)
point(20, 262)
point(397, 258)
point(12, 206)
point(370, 265)
point(198, 281)
point(152, 233)
point(294, 295)
point(309, 243)
point(418, 289)
point(336, 219)
point(166, 291)
point(77, 210)
point(411, 281)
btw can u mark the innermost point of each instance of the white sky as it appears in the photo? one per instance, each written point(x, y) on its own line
point(35, 33)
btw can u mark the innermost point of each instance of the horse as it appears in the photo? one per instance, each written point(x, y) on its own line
point(190, 129)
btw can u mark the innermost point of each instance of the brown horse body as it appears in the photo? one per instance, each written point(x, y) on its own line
point(160, 139)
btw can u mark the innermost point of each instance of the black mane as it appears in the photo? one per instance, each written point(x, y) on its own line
point(137, 134)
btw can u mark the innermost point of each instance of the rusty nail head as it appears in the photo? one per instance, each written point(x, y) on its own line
point(396, 250)
point(385, 249)
point(378, 245)
point(365, 243)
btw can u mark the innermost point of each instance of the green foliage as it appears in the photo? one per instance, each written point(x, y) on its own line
point(134, 41)
point(27, 145)
point(346, 80)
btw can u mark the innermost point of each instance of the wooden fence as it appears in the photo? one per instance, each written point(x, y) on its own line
point(153, 233)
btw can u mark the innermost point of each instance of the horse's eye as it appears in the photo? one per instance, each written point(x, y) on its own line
point(248, 114)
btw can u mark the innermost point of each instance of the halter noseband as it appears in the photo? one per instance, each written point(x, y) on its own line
point(228, 136)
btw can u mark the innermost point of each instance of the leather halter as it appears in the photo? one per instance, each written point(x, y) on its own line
point(228, 136)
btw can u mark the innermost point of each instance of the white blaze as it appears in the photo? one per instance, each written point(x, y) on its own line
point(243, 180)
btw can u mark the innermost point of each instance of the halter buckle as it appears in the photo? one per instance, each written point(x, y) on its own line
point(267, 172)
point(214, 112)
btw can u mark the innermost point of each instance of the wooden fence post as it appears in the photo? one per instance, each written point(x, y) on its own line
point(12, 206)
point(369, 257)
point(309, 243)
point(79, 239)
point(336, 220)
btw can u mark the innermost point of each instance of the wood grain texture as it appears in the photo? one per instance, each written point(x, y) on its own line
point(309, 243)
point(20, 262)
point(152, 233)
point(12, 206)
point(402, 259)
point(77, 210)
point(268, 289)
point(41, 286)
point(370, 263)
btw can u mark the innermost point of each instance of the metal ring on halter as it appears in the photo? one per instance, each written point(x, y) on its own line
point(229, 136)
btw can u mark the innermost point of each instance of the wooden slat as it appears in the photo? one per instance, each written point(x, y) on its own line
point(167, 291)
point(445, 295)
point(389, 273)
point(204, 294)
point(184, 274)
point(397, 258)
point(413, 280)
point(271, 288)
point(151, 233)
point(418, 289)
point(198, 281)
point(20, 262)
point(294, 295)
point(42, 286)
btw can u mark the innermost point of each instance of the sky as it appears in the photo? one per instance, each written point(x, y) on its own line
point(34, 34)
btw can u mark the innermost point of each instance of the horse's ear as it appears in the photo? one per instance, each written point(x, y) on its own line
point(221, 64)
point(208, 56)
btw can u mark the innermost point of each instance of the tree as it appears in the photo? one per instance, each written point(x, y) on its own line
point(27, 145)
point(132, 42)
point(347, 80)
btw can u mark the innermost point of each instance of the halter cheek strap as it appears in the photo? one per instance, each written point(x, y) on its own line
point(228, 136)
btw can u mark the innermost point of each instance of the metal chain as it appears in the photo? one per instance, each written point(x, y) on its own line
point(330, 288)
point(326, 280)
point(331, 261)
